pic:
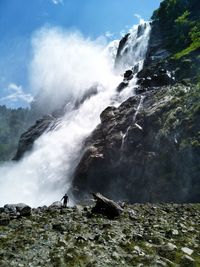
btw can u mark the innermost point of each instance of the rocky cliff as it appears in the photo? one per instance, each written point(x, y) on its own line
point(148, 148)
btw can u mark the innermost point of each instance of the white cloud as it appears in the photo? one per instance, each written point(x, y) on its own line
point(56, 2)
point(16, 93)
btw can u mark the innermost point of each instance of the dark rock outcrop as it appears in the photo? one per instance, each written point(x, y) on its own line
point(156, 78)
point(128, 75)
point(121, 46)
point(143, 150)
point(28, 138)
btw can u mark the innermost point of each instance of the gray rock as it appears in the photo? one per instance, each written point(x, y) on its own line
point(187, 250)
point(56, 204)
point(18, 209)
point(10, 208)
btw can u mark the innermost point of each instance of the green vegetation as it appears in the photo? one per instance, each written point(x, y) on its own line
point(181, 117)
point(13, 122)
point(180, 23)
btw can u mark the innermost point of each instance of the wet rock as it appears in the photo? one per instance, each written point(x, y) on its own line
point(122, 86)
point(121, 46)
point(155, 79)
point(140, 31)
point(128, 75)
point(134, 135)
point(136, 143)
point(88, 94)
point(27, 139)
point(108, 114)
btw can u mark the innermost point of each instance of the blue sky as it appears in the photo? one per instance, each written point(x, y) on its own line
point(20, 18)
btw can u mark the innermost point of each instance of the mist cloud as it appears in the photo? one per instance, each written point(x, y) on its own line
point(65, 65)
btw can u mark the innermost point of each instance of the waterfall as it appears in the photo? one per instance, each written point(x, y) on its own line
point(132, 53)
point(45, 173)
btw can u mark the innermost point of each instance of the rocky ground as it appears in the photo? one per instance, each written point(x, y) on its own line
point(143, 235)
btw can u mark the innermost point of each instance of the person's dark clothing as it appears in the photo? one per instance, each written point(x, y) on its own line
point(65, 200)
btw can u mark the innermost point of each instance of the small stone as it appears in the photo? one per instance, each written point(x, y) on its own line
point(187, 250)
point(174, 232)
point(170, 247)
point(139, 251)
point(161, 263)
point(62, 242)
point(115, 255)
point(166, 250)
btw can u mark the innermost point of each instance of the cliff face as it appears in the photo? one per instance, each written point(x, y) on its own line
point(148, 149)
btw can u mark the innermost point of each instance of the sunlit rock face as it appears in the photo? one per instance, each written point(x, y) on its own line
point(141, 152)
point(147, 150)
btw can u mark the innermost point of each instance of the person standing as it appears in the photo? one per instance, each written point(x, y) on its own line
point(65, 200)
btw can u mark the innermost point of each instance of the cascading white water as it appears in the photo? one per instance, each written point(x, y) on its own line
point(44, 174)
point(134, 50)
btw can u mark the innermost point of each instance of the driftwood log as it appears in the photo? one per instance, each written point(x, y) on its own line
point(106, 206)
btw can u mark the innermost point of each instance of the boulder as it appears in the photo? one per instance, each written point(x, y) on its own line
point(56, 205)
point(20, 209)
point(106, 206)
point(23, 209)
point(128, 75)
